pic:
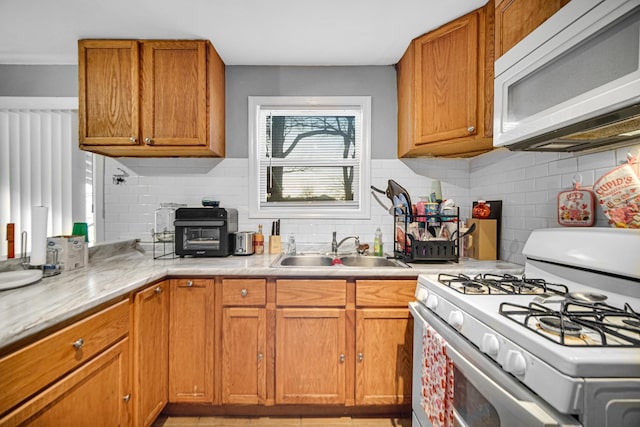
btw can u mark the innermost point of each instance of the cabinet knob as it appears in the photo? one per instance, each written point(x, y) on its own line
point(158, 290)
point(133, 139)
point(471, 129)
point(189, 283)
point(78, 344)
point(126, 397)
point(360, 357)
point(148, 140)
point(260, 356)
point(342, 358)
point(244, 293)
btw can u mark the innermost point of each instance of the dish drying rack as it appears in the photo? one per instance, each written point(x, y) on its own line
point(414, 249)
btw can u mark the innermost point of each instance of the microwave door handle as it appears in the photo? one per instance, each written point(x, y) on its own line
point(529, 413)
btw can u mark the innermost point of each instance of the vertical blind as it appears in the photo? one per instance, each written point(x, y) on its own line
point(36, 155)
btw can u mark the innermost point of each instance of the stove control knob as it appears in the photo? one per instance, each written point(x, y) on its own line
point(490, 345)
point(432, 302)
point(515, 363)
point(456, 319)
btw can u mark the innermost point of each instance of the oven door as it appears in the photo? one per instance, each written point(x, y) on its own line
point(484, 395)
point(200, 237)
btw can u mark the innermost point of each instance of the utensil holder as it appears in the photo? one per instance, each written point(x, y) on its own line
point(275, 245)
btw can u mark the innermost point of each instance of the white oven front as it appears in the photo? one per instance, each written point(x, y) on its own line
point(483, 394)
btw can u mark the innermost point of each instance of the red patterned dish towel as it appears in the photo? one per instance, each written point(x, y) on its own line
point(437, 379)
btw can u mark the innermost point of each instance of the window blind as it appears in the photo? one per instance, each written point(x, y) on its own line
point(36, 155)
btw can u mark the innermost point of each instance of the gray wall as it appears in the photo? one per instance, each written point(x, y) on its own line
point(379, 82)
point(38, 80)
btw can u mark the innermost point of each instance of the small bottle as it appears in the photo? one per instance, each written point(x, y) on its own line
point(377, 243)
point(291, 248)
point(258, 241)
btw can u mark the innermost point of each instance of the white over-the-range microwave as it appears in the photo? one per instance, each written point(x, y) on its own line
point(573, 84)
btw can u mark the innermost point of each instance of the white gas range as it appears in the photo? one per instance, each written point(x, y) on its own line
point(557, 346)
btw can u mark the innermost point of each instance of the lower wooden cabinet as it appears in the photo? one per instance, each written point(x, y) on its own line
point(95, 395)
point(244, 341)
point(151, 350)
point(191, 338)
point(243, 355)
point(384, 342)
point(383, 356)
point(310, 356)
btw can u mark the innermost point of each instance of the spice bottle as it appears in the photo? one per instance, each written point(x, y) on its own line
point(258, 241)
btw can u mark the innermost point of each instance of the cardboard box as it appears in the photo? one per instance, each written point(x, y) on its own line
point(70, 249)
point(483, 242)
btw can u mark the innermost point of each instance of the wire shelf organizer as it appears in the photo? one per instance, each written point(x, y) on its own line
point(424, 247)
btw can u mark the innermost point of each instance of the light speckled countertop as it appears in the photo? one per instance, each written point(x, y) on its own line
point(119, 268)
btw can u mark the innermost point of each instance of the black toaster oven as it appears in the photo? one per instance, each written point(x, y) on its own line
point(205, 232)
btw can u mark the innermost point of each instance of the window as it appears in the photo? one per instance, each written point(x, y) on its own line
point(309, 157)
point(41, 165)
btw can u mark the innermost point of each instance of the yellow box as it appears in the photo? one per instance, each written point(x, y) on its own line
point(483, 242)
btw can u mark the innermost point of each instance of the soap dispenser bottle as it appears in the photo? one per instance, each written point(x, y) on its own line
point(377, 243)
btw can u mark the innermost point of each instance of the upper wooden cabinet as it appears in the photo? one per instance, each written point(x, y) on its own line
point(445, 89)
point(151, 98)
point(515, 19)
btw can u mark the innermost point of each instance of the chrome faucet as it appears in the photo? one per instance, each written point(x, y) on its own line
point(335, 245)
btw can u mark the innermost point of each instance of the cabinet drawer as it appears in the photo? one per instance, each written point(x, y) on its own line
point(244, 292)
point(30, 369)
point(311, 293)
point(385, 293)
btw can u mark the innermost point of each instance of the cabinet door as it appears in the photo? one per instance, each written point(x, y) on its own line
point(243, 351)
point(151, 349)
point(96, 394)
point(108, 91)
point(174, 93)
point(384, 344)
point(515, 19)
point(310, 356)
point(446, 73)
point(191, 337)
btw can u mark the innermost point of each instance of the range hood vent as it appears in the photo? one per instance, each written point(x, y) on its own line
point(617, 129)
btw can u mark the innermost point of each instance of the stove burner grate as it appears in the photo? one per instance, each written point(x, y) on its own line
point(578, 323)
point(490, 284)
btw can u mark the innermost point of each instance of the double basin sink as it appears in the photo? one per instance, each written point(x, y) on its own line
point(319, 260)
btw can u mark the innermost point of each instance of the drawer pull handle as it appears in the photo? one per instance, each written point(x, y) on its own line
point(342, 358)
point(126, 397)
point(244, 293)
point(189, 283)
point(78, 344)
point(158, 290)
point(360, 357)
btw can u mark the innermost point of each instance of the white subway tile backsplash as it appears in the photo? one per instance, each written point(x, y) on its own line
point(527, 183)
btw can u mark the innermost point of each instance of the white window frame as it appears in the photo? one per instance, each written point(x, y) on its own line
point(358, 210)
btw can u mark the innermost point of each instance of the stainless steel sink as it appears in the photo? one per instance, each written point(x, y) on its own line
point(319, 260)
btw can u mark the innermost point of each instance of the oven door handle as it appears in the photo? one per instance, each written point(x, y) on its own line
point(529, 413)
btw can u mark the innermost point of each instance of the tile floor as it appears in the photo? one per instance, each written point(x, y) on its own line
point(282, 421)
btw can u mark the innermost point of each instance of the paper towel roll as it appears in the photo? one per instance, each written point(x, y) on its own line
point(39, 235)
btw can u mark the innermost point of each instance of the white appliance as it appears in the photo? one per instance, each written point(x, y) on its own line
point(573, 84)
point(557, 346)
